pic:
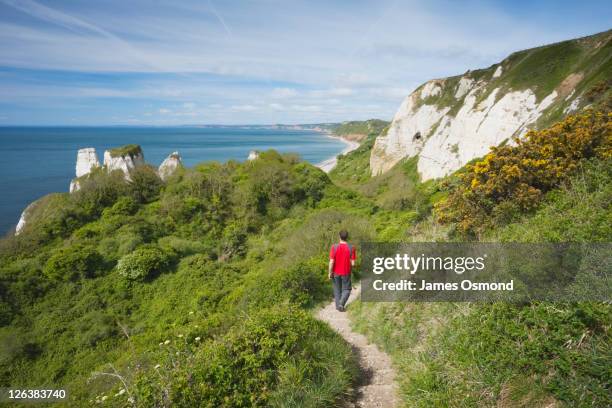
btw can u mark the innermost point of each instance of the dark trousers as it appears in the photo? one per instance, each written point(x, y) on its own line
point(342, 289)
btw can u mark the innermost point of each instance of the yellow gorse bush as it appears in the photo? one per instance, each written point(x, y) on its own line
point(512, 178)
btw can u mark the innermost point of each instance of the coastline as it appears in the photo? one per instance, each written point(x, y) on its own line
point(329, 164)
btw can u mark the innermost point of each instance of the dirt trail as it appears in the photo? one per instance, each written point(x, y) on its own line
point(377, 387)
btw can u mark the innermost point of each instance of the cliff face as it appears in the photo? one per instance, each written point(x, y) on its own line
point(253, 154)
point(169, 165)
point(125, 158)
point(24, 218)
point(86, 160)
point(448, 122)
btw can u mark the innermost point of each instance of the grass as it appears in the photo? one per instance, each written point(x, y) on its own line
point(245, 250)
point(58, 331)
point(354, 169)
point(466, 355)
point(541, 70)
point(363, 128)
point(127, 150)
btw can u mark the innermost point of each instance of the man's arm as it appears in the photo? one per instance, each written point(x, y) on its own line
point(330, 269)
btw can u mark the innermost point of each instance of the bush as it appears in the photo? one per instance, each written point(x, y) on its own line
point(181, 246)
point(241, 369)
point(123, 206)
point(233, 242)
point(578, 212)
point(98, 191)
point(310, 183)
point(143, 263)
point(145, 184)
point(513, 179)
point(70, 263)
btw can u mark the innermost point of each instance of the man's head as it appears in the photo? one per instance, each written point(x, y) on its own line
point(343, 235)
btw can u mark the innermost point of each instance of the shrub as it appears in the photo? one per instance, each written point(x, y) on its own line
point(319, 231)
point(578, 212)
point(513, 179)
point(310, 183)
point(98, 191)
point(233, 241)
point(301, 284)
point(145, 184)
point(143, 263)
point(181, 246)
point(241, 369)
point(70, 263)
point(123, 206)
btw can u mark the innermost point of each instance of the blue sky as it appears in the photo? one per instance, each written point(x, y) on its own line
point(254, 62)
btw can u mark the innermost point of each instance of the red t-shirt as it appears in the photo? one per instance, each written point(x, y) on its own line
point(342, 257)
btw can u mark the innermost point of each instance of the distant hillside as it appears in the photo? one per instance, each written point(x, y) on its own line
point(448, 122)
point(359, 130)
point(356, 130)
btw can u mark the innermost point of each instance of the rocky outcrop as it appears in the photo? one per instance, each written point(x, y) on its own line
point(448, 122)
point(169, 165)
point(75, 185)
point(446, 141)
point(125, 158)
point(24, 218)
point(253, 154)
point(87, 160)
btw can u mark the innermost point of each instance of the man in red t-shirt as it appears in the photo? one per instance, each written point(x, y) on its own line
point(341, 258)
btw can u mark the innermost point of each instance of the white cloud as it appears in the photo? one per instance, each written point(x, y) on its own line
point(268, 61)
point(283, 92)
point(326, 93)
point(244, 108)
point(306, 108)
point(276, 106)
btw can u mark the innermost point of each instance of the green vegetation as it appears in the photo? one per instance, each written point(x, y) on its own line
point(194, 292)
point(577, 69)
point(539, 354)
point(199, 291)
point(354, 169)
point(512, 179)
point(127, 150)
point(361, 129)
point(446, 98)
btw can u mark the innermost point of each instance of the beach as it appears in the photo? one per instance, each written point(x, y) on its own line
point(328, 164)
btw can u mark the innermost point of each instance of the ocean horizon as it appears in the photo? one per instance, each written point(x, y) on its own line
point(38, 160)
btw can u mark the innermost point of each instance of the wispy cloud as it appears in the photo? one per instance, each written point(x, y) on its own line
point(213, 9)
point(74, 24)
point(254, 62)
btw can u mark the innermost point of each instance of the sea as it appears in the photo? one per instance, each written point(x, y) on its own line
point(36, 161)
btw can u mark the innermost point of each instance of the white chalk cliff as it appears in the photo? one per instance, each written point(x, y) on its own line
point(253, 154)
point(445, 142)
point(448, 122)
point(24, 218)
point(87, 160)
point(125, 159)
point(169, 165)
